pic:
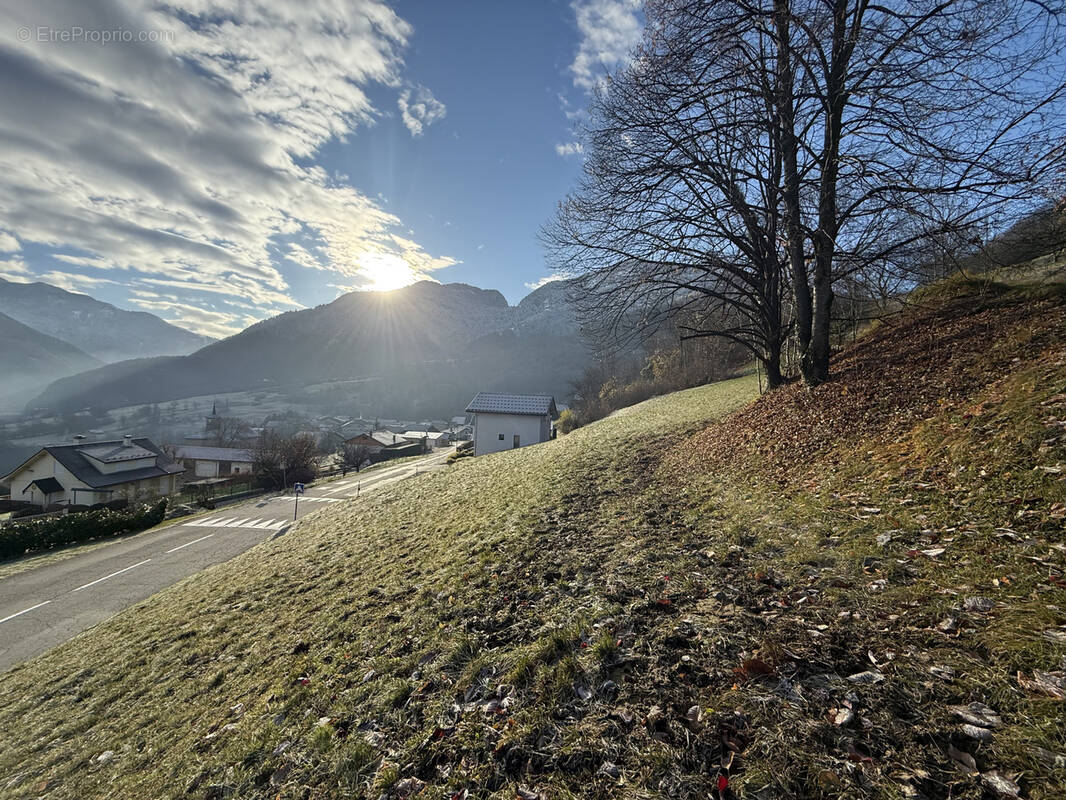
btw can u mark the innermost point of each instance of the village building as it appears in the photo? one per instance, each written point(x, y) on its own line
point(507, 421)
point(214, 462)
point(84, 474)
point(373, 446)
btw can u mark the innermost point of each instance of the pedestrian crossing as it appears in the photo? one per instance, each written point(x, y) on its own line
point(238, 522)
point(309, 499)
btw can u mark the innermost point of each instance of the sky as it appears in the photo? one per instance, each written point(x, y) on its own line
point(216, 162)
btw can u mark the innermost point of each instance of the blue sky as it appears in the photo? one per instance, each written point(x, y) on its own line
point(216, 162)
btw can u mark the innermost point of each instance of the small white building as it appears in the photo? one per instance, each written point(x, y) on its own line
point(507, 421)
point(82, 474)
point(214, 462)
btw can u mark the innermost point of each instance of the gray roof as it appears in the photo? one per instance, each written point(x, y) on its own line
point(72, 457)
point(199, 453)
point(46, 485)
point(537, 405)
point(110, 453)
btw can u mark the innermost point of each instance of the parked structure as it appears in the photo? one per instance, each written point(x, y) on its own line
point(428, 439)
point(507, 421)
point(214, 462)
point(373, 445)
point(83, 474)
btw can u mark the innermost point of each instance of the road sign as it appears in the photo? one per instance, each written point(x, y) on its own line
point(298, 488)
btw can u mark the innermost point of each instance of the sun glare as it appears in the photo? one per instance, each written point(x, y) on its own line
point(384, 272)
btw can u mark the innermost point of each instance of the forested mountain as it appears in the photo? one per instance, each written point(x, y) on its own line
point(419, 350)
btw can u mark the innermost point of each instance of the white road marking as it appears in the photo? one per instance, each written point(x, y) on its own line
point(24, 611)
point(304, 499)
point(194, 541)
point(112, 575)
point(233, 522)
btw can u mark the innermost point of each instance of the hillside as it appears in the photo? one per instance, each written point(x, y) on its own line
point(855, 592)
point(100, 329)
point(29, 360)
point(425, 346)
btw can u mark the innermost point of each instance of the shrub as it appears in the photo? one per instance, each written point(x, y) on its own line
point(567, 421)
point(42, 534)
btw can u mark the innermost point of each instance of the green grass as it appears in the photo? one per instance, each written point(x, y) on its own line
point(532, 617)
point(408, 584)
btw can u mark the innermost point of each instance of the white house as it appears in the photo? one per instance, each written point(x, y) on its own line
point(214, 462)
point(507, 421)
point(86, 473)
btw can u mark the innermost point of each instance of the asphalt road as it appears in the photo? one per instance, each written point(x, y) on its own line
point(43, 607)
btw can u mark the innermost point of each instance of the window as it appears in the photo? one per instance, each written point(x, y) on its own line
point(517, 441)
point(501, 437)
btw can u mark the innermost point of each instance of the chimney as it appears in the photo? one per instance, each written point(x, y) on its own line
point(127, 440)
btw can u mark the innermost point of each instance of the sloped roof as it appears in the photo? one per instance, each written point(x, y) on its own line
point(82, 467)
point(537, 405)
point(110, 453)
point(199, 453)
point(387, 437)
point(46, 485)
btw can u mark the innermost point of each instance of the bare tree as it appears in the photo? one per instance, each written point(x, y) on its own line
point(230, 431)
point(831, 141)
point(678, 216)
point(913, 126)
point(280, 461)
point(353, 456)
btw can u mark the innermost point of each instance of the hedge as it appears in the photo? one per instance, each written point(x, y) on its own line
point(19, 538)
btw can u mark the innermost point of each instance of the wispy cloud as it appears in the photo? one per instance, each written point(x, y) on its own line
point(419, 109)
point(567, 149)
point(8, 243)
point(555, 276)
point(15, 269)
point(73, 282)
point(218, 324)
point(609, 30)
point(190, 158)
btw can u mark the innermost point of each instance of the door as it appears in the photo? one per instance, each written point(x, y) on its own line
point(517, 441)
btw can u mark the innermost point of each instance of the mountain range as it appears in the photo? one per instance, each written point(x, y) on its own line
point(418, 351)
point(30, 360)
point(49, 333)
point(100, 329)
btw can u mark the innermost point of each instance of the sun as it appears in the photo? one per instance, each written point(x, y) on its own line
point(385, 271)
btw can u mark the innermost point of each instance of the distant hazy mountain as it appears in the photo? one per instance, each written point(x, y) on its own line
point(422, 350)
point(97, 328)
point(30, 360)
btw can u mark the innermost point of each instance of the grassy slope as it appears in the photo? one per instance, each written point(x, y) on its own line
point(612, 613)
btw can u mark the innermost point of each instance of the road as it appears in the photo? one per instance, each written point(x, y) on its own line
point(43, 607)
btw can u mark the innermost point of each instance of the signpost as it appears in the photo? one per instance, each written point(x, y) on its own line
point(298, 488)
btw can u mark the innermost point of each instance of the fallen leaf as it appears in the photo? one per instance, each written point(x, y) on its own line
point(1004, 787)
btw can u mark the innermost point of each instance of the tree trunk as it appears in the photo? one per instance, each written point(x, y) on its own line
point(815, 366)
point(789, 147)
point(772, 364)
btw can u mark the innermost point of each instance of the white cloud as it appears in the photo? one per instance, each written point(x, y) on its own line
point(569, 149)
point(555, 276)
point(8, 243)
point(218, 324)
point(187, 159)
point(420, 109)
point(74, 283)
point(15, 270)
point(609, 30)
